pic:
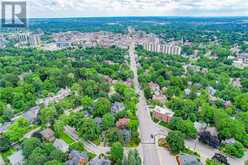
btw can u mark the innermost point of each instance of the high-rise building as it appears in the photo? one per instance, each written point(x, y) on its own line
point(163, 48)
point(29, 39)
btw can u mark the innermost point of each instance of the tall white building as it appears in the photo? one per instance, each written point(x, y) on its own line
point(163, 48)
point(32, 40)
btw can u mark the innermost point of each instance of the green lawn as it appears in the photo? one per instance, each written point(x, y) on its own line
point(66, 138)
point(77, 146)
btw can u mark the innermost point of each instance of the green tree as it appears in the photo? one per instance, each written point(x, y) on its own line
point(102, 106)
point(4, 144)
point(175, 140)
point(87, 103)
point(47, 115)
point(108, 121)
point(53, 162)
point(133, 158)
point(29, 145)
point(236, 149)
point(89, 129)
point(117, 152)
point(36, 157)
point(185, 126)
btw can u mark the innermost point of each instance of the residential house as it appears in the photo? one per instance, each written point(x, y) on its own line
point(236, 82)
point(71, 132)
point(211, 90)
point(163, 114)
point(61, 145)
point(160, 98)
point(200, 127)
point(48, 135)
point(227, 104)
point(98, 121)
point(155, 88)
point(32, 114)
point(77, 158)
point(17, 158)
point(185, 159)
point(117, 107)
point(60, 96)
point(213, 131)
point(100, 161)
point(187, 92)
point(122, 123)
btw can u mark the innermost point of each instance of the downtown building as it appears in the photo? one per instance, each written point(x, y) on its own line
point(163, 48)
point(29, 39)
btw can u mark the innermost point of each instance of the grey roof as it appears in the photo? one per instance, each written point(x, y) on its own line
point(61, 145)
point(189, 160)
point(16, 158)
point(98, 161)
point(117, 107)
point(76, 156)
point(98, 120)
point(48, 134)
point(32, 114)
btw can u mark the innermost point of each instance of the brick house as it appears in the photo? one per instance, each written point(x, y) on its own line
point(163, 114)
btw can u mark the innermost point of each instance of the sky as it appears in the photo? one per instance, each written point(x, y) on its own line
point(102, 8)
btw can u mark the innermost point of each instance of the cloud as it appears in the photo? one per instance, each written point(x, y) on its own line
point(69, 8)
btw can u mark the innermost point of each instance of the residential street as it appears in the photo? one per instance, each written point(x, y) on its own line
point(152, 154)
point(147, 128)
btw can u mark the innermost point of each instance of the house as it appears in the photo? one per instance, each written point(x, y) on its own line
point(236, 82)
point(227, 104)
point(61, 145)
point(200, 126)
point(77, 158)
point(155, 88)
point(60, 96)
point(211, 90)
point(17, 158)
point(160, 98)
point(122, 123)
point(48, 135)
point(100, 161)
point(71, 132)
point(32, 114)
point(98, 121)
point(187, 92)
point(163, 114)
point(185, 159)
point(210, 137)
point(212, 130)
point(117, 107)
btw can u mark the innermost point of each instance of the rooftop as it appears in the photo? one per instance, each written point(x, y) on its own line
point(165, 111)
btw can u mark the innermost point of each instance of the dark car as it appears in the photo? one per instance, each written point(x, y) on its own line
point(220, 158)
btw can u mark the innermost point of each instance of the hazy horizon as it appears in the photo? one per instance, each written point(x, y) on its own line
point(137, 8)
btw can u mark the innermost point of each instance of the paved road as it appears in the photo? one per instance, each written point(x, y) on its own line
point(146, 127)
